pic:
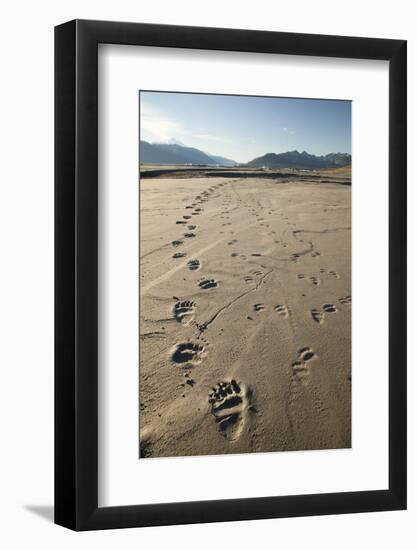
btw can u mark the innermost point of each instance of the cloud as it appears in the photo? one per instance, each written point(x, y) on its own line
point(207, 136)
point(156, 126)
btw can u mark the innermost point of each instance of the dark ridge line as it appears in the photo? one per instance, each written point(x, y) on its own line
point(196, 172)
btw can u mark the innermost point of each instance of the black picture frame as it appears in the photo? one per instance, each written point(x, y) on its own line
point(76, 272)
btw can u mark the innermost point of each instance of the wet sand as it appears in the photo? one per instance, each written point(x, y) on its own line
point(245, 320)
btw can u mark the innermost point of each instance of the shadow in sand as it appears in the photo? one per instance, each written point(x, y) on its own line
point(45, 512)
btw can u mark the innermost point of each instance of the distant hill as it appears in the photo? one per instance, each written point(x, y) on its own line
point(173, 153)
point(224, 161)
point(294, 159)
point(179, 154)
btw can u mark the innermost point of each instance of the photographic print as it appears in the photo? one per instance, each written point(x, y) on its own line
point(245, 274)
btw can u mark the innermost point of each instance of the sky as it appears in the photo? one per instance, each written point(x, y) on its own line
point(244, 127)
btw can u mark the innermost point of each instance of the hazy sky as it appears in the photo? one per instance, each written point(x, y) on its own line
point(244, 127)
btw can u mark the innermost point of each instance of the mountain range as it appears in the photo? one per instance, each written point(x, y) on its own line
point(294, 159)
point(176, 153)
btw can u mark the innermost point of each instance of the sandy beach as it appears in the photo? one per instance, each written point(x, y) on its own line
point(245, 315)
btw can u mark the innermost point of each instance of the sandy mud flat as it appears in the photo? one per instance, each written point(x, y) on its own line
point(245, 315)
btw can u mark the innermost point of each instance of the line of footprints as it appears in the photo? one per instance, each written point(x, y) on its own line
point(318, 315)
point(301, 366)
point(281, 309)
point(229, 400)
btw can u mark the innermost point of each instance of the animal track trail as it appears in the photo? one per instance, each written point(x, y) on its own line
point(177, 242)
point(208, 283)
point(318, 315)
point(190, 235)
point(282, 310)
point(301, 367)
point(193, 265)
point(306, 354)
point(230, 404)
point(346, 300)
point(259, 307)
point(190, 381)
point(331, 273)
point(179, 255)
point(188, 352)
point(184, 311)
